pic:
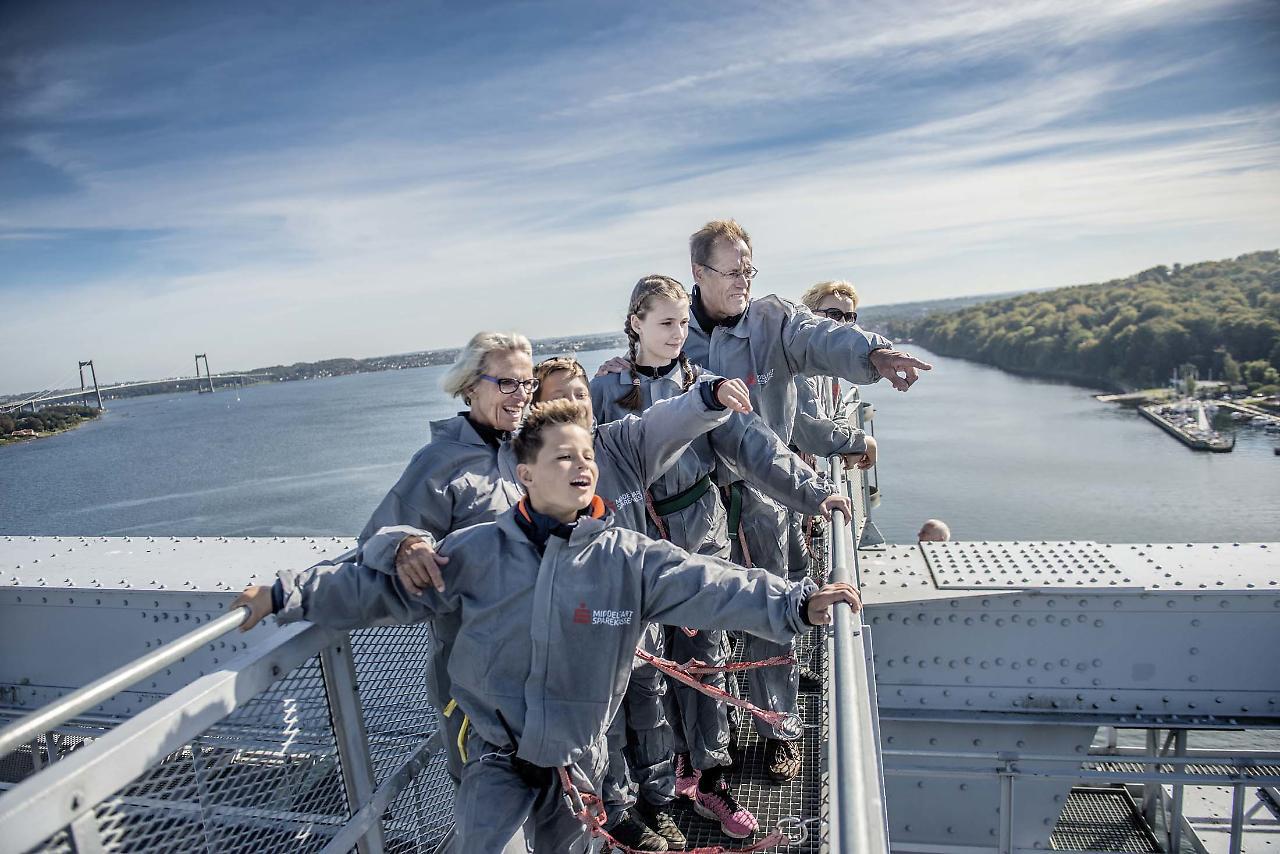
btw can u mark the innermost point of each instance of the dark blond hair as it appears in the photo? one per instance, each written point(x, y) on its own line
point(555, 365)
point(554, 413)
point(648, 289)
point(822, 290)
point(703, 241)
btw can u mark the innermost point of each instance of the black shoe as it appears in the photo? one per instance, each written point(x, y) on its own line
point(633, 833)
point(810, 682)
point(661, 823)
point(781, 759)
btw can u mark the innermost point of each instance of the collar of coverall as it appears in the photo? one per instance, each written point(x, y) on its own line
point(539, 527)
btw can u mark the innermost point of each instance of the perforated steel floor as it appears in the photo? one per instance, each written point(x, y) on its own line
point(1097, 819)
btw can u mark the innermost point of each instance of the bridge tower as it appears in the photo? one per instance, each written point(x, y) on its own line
point(84, 391)
point(208, 376)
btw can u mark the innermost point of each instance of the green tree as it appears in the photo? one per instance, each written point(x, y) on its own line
point(1230, 369)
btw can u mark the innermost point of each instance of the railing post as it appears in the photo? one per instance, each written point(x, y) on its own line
point(1151, 791)
point(339, 670)
point(85, 838)
point(1006, 810)
point(1175, 813)
point(1237, 819)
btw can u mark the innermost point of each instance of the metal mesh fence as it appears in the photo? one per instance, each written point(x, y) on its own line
point(267, 777)
point(392, 675)
point(418, 820)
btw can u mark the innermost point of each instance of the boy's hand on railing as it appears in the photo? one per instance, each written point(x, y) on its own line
point(733, 394)
point(418, 566)
point(837, 502)
point(820, 603)
point(258, 600)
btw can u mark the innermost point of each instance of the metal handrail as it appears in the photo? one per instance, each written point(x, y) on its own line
point(60, 711)
point(858, 817)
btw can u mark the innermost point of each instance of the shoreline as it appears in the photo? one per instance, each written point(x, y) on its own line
point(13, 439)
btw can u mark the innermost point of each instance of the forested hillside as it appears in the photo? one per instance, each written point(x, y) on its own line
point(1221, 316)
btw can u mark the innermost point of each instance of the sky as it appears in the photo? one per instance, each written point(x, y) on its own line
point(273, 182)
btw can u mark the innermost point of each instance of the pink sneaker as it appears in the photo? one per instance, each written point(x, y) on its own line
point(686, 777)
point(720, 805)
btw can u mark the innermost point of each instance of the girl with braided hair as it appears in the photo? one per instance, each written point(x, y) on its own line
point(684, 507)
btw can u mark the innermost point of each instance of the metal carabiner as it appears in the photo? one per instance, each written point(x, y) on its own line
point(793, 823)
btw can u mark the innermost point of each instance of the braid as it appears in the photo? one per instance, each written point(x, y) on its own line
point(633, 400)
point(690, 375)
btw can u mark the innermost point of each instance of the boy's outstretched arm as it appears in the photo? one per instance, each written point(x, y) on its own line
point(346, 596)
point(704, 592)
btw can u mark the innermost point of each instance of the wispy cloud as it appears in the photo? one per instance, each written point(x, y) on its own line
point(272, 189)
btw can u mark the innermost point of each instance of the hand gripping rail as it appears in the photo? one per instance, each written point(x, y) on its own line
point(60, 711)
point(857, 820)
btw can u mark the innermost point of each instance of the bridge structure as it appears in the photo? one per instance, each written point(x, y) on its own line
point(200, 382)
point(971, 707)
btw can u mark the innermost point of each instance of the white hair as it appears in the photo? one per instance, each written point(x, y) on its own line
point(466, 369)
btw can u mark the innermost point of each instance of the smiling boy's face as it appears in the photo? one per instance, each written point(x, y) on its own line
point(561, 480)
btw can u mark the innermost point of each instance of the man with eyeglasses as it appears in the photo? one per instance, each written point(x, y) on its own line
point(768, 342)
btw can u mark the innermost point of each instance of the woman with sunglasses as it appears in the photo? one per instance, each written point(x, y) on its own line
point(822, 429)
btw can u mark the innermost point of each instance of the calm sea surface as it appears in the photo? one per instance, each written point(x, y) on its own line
point(995, 455)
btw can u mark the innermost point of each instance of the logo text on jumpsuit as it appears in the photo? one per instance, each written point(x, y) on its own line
point(601, 617)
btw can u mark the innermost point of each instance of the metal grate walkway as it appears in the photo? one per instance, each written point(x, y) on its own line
point(1098, 819)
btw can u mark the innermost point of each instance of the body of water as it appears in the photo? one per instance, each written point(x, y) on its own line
point(995, 455)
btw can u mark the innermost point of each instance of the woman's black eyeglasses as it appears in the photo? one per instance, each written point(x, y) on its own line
point(837, 315)
point(508, 385)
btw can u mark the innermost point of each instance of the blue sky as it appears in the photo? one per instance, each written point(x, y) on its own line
point(274, 182)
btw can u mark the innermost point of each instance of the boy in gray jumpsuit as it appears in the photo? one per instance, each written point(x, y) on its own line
point(546, 581)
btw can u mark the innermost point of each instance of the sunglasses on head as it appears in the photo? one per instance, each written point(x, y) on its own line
point(837, 315)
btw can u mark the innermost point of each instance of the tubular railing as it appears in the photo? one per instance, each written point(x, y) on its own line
point(857, 818)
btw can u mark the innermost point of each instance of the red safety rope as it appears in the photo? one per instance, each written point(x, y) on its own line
point(589, 810)
point(698, 668)
point(787, 724)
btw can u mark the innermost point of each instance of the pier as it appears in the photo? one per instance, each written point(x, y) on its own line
point(1198, 438)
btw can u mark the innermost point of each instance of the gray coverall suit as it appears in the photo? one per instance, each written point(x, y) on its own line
point(767, 346)
point(641, 739)
point(544, 647)
point(822, 428)
point(750, 448)
point(458, 480)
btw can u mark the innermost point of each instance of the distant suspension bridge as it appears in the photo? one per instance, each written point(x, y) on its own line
point(91, 394)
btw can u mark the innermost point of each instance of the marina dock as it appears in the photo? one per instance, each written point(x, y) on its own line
point(1198, 437)
point(1254, 412)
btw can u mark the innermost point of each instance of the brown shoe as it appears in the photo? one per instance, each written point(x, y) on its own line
point(781, 759)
